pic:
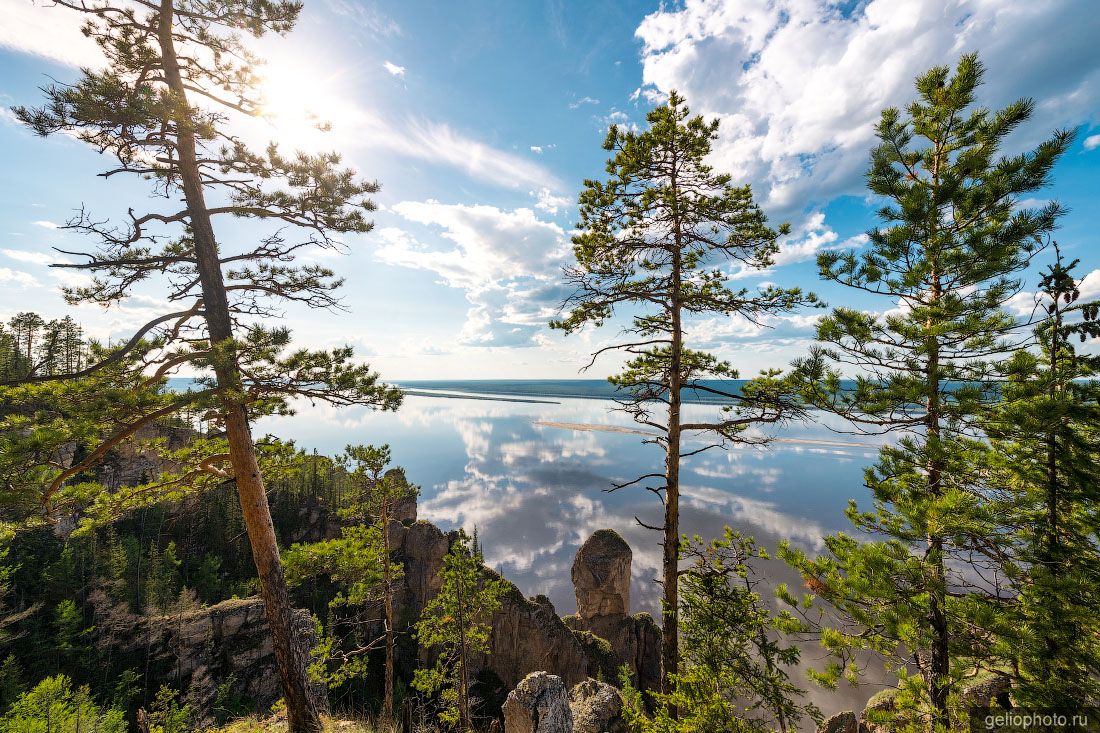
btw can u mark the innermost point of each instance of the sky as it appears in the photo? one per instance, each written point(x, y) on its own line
point(481, 120)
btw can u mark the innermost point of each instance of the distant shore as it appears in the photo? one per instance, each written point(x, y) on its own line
point(593, 427)
point(453, 396)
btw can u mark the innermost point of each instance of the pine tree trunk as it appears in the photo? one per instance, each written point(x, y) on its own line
point(387, 595)
point(670, 627)
point(939, 659)
point(464, 721)
point(290, 658)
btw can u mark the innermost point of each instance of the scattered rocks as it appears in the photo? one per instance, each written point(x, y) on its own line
point(539, 704)
point(597, 708)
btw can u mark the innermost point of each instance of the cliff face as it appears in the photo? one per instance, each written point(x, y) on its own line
point(215, 655)
point(224, 652)
point(527, 633)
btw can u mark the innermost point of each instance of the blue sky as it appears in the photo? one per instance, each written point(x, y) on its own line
point(481, 120)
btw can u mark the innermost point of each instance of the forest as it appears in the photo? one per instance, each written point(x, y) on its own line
point(166, 568)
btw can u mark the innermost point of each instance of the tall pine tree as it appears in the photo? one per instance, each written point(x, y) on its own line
point(177, 75)
point(1045, 468)
point(653, 239)
point(945, 262)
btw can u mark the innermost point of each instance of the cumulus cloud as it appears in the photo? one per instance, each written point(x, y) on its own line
point(798, 84)
point(507, 262)
point(550, 202)
point(811, 237)
point(1090, 285)
point(394, 69)
point(1092, 142)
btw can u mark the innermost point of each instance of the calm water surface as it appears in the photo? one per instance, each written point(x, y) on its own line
point(536, 491)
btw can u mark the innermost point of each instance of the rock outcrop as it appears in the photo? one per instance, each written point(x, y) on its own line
point(539, 704)
point(601, 581)
point(601, 576)
point(597, 707)
point(845, 722)
point(204, 649)
point(527, 635)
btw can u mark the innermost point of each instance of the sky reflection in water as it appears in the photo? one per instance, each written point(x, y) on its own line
point(537, 492)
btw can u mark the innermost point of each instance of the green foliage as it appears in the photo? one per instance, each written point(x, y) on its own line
point(54, 706)
point(1045, 476)
point(946, 261)
point(736, 653)
point(162, 579)
point(11, 681)
point(455, 625)
point(166, 714)
point(357, 562)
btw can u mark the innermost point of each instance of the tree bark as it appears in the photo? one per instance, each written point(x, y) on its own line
point(670, 612)
point(387, 596)
point(939, 660)
point(290, 658)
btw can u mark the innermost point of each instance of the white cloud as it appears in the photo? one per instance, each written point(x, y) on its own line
point(1090, 285)
point(583, 100)
point(49, 31)
point(46, 224)
point(394, 69)
point(798, 85)
point(17, 277)
point(536, 149)
point(1092, 142)
point(439, 144)
point(37, 258)
point(549, 202)
point(508, 263)
point(804, 243)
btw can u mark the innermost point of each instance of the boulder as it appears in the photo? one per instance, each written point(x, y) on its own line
point(601, 576)
point(597, 707)
point(840, 723)
point(539, 704)
point(879, 714)
point(988, 691)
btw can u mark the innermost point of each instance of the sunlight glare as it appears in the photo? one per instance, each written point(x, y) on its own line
point(301, 104)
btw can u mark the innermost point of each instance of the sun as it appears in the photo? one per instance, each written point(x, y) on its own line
point(301, 105)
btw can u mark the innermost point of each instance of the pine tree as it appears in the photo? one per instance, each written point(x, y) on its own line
point(162, 56)
point(652, 238)
point(737, 657)
point(946, 261)
point(361, 559)
point(456, 624)
point(1045, 435)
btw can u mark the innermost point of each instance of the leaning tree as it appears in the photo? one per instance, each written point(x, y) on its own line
point(178, 77)
point(653, 239)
